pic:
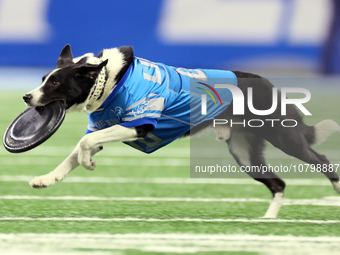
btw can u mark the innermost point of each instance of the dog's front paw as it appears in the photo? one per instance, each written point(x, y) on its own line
point(85, 160)
point(44, 181)
point(89, 164)
point(85, 154)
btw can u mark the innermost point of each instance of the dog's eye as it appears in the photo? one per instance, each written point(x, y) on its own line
point(54, 81)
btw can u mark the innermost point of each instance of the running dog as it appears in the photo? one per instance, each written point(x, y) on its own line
point(147, 106)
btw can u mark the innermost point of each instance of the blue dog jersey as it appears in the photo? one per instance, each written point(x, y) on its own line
point(168, 98)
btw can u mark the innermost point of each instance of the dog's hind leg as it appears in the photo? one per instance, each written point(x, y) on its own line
point(247, 151)
point(297, 142)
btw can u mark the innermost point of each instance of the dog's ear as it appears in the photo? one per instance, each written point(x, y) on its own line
point(65, 56)
point(89, 70)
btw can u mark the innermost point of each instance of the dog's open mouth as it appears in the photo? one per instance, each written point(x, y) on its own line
point(41, 106)
point(63, 101)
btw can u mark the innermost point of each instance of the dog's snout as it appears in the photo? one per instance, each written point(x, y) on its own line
point(27, 98)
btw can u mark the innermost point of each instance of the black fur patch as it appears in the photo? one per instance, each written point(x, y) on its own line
point(65, 56)
point(70, 84)
point(100, 54)
point(82, 60)
point(143, 130)
point(128, 58)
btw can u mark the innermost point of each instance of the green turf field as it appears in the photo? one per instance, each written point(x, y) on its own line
point(135, 203)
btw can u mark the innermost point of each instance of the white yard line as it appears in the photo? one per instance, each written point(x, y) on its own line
point(104, 161)
point(131, 219)
point(112, 151)
point(327, 201)
point(126, 151)
point(245, 181)
point(173, 242)
point(117, 156)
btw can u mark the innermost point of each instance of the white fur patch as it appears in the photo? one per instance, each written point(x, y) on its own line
point(222, 132)
point(324, 129)
point(89, 55)
point(274, 206)
point(239, 146)
point(37, 93)
point(115, 64)
point(75, 108)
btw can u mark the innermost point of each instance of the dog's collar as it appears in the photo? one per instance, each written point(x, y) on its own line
point(98, 88)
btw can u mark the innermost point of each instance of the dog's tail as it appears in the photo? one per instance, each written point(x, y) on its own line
point(321, 131)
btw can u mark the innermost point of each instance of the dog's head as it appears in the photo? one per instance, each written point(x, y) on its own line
point(70, 82)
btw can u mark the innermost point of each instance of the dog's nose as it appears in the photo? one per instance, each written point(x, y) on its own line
point(27, 98)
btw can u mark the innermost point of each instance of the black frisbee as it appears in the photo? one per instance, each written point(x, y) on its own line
point(33, 127)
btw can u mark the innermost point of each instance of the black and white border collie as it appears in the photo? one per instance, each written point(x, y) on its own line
point(73, 81)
